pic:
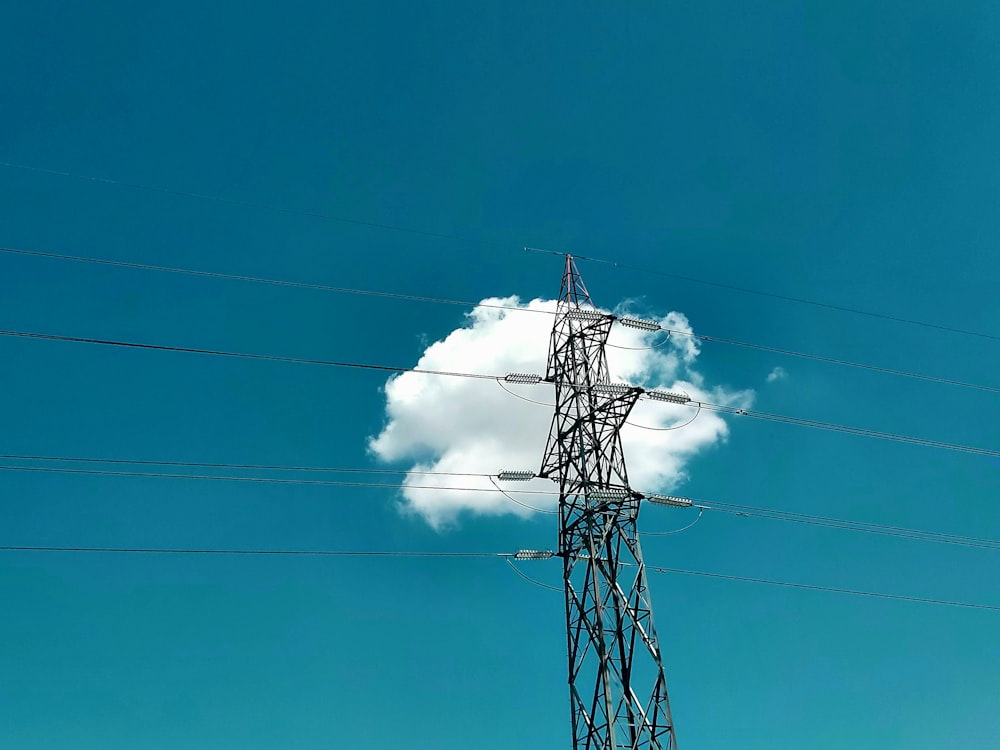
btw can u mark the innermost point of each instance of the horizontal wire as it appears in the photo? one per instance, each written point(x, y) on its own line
point(256, 467)
point(701, 505)
point(864, 432)
point(786, 298)
point(836, 523)
point(832, 589)
point(478, 241)
point(847, 525)
point(513, 308)
point(182, 551)
point(385, 368)
point(238, 355)
point(503, 555)
point(751, 508)
point(843, 362)
point(846, 429)
point(260, 480)
point(263, 280)
point(844, 525)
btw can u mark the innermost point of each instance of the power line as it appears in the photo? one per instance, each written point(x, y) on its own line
point(701, 512)
point(788, 584)
point(239, 355)
point(301, 553)
point(513, 308)
point(518, 502)
point(841, 362)
point(454, 555)
point(529, 579)
point(859, 431)
point(256, 467)
point(846, 429)
point(259, 280)
point(862, 526)
point(786, 298)
point(812, 587)
point(815, 424)
point(709, 505)
point(492, 243)
point(873, 529)
point(866, 527)
point(260, 480)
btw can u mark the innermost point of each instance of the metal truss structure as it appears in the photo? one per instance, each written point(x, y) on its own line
point(618, 694)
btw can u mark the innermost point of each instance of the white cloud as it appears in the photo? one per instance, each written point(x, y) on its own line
point(451, 424)
point(778, 373)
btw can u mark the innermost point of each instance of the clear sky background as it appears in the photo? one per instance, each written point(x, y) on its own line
point(832, 151)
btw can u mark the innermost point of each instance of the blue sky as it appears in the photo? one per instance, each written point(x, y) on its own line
point(835, 152)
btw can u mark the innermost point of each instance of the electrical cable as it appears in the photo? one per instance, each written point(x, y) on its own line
point(325, 553)
point(262, 280)
point(847, 525)
point(786, 298)
point(812, 587)
point(958, 537)
point(256, 467)
point(513, 308)
point(385, 368)
point(843, 362)
point(529, 579)
point(671, 427)
point(657, 345)
point(257, 480)
point(480, 241)
point(701, 512)
point(518, 502)
point(523, 398)
point(239, 355)
point(503, 555)
point(859, 431)
point(750, 511)
point(716, 506)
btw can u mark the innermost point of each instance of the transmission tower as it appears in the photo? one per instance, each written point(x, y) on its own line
point(618, 695)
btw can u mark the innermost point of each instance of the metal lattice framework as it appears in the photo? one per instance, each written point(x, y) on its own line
point(618, 694)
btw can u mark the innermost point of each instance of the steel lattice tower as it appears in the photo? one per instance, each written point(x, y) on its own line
point(618, 694)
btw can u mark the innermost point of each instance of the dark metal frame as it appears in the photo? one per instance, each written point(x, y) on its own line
point(618, 694)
